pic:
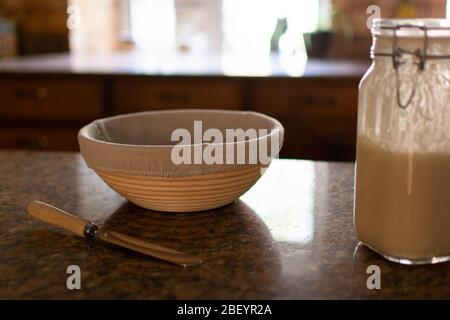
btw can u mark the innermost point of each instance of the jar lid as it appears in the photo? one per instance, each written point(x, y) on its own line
point(411, 27)
point(410, 42)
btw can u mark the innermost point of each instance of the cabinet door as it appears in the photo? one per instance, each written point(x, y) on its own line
point(319, 115)
point(131, 95)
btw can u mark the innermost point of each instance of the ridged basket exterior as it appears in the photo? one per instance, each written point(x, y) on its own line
point(184, 194)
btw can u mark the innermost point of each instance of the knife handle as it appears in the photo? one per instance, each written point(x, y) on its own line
point(57, 217)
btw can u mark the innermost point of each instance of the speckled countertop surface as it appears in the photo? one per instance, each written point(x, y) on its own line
point(290, 237)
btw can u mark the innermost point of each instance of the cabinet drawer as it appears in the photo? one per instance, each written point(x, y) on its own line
point(131, 95)
point(308, 100)
point(318, 143)
point(39, 138)
point(50, 99)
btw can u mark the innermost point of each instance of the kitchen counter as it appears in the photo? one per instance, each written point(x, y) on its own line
point(290, 237)
point(141, 63)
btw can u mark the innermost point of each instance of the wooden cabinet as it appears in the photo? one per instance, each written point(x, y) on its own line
point(131, 94)
point(56, 99)
point(45, 112)
point(319, 115)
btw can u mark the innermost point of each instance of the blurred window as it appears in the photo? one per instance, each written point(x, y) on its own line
point(240, 25)
point(152, 23)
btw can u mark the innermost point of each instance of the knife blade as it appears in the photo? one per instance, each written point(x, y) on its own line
point(84, 228)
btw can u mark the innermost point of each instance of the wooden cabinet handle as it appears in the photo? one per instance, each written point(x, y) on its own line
point(42, 142)
point(40, 93)
point(320, 101)
point(50, 214)
point(167, 96)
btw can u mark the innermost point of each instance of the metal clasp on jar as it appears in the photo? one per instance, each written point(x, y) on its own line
point(397, 55)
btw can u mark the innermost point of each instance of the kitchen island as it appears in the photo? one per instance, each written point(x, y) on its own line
point(290, 237)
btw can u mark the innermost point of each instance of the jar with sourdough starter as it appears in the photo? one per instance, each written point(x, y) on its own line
point(402, 183)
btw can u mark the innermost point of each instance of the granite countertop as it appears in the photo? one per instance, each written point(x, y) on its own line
point(142, 63)
point(290, 237)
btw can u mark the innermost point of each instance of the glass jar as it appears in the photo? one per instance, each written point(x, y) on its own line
point(402, 184)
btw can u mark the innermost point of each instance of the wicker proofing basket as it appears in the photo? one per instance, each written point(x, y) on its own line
point(132, 154)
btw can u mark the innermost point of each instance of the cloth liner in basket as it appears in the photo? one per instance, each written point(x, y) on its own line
point(139, 143)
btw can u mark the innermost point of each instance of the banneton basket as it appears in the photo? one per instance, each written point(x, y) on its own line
point(170, 161)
